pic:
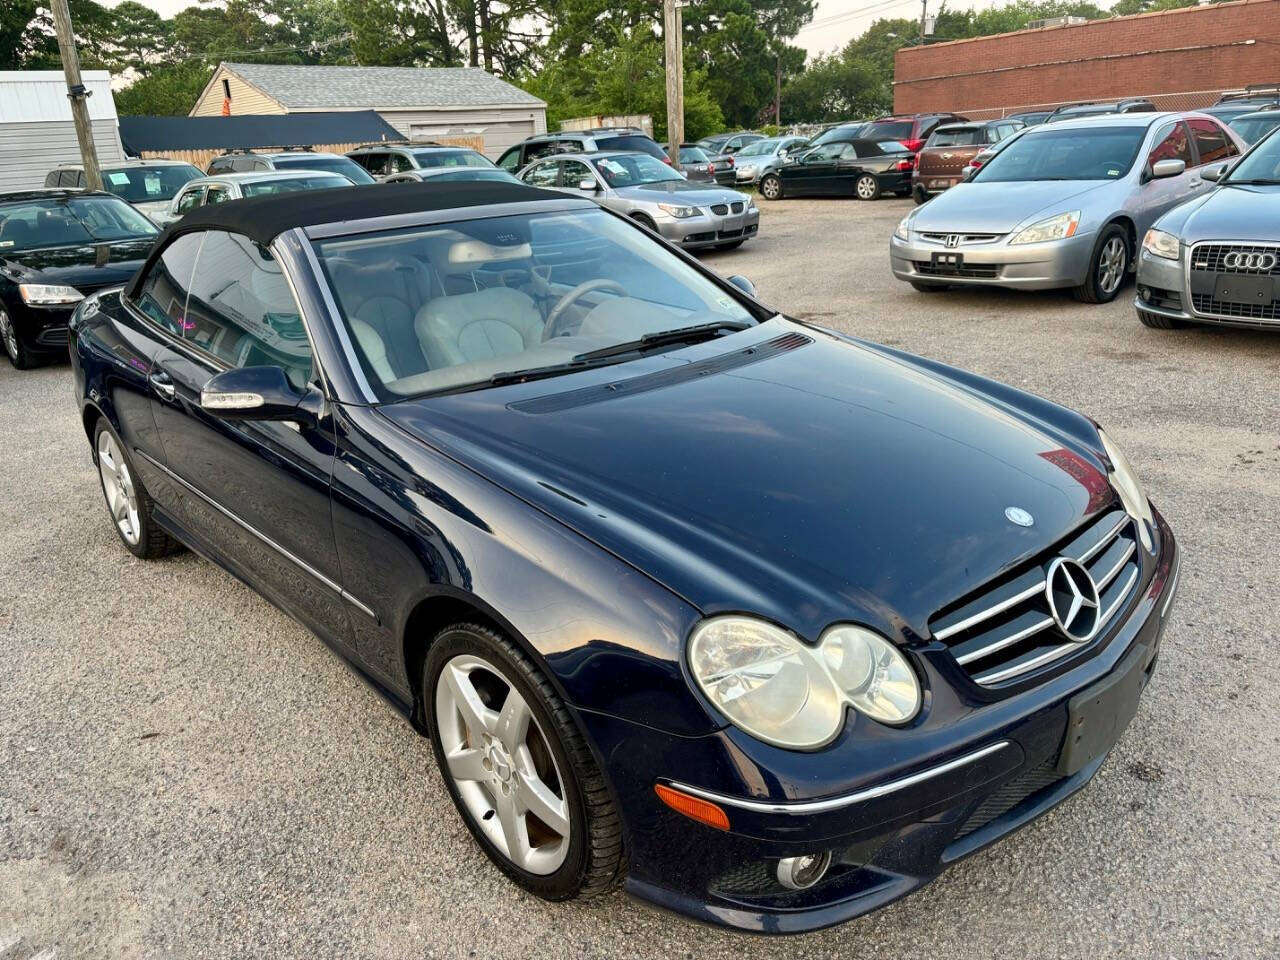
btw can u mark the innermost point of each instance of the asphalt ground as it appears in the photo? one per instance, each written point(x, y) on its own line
point(186, 772)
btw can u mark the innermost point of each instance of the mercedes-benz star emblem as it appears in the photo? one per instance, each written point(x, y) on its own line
point(1073, 599)
point(1019, 516)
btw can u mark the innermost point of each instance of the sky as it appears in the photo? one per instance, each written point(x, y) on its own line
point(835, 22)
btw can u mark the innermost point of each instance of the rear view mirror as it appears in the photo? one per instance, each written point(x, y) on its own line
point(1167, 168)
point(259, 393)
point(743, 284)
point(1215, 172)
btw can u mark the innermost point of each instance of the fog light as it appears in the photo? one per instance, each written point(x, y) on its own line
point(1145, 294)
point(800, 873)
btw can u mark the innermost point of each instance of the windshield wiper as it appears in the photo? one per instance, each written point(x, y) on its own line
point(1258, 182)
point(696, 334)
point(538, 373)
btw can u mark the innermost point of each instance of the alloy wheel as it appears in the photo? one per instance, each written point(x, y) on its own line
point(866, 188)
point(1111, 265)
point(117, 484)
point(771, 188)
point(9, 335)
point(501, 764)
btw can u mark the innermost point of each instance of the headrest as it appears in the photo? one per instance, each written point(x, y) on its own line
point(479, 252)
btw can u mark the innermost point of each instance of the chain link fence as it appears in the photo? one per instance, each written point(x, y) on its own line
point(1185, 100)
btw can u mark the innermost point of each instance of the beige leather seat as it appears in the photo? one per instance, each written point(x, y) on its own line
point(375, 349)
point(472, 327)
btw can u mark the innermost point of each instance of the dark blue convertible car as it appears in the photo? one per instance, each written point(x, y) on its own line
point(768, 624)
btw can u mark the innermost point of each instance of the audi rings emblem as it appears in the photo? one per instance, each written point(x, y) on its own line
point(1262, 262)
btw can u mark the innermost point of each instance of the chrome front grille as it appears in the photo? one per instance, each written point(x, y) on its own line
point(961, 237)
point(1009, 631)
point(1212, 258)
point(1210, 306)
point(720, 209)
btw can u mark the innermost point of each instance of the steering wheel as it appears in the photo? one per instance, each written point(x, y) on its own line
point(557, 313)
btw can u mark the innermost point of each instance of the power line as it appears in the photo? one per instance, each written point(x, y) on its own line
point(839, 18)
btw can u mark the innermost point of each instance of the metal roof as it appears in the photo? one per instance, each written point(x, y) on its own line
point(248, 131)
point(299, 87)
point(39, 96)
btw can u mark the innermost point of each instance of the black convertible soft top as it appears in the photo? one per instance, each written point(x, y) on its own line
point(264, 218)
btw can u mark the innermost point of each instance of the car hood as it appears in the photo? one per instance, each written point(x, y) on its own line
point(1233, 213)
point(680, 191)
point(87, 268)
point(999, 207)
point(811, 481)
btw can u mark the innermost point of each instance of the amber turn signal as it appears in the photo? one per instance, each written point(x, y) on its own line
point(695, 808)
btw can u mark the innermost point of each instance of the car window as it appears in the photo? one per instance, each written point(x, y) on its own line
point(221, 165)
point(636, 142)
point(572, 172)
point(148, 184)
point(631, 169)
point(889, 130)
point(694, 155)
point(377, 164)
point(1172, 143)
point(326, 163)
point(217, 193)
point(1212, 142)
point(962, 137)
point(1260, 165)
point(53, 178)
point(543, 175)
point(827, 151)
point(849, 152)
point(502, 279)
point(400, 163)
point(452, 159)
point(1054, 153)
point(1253, 129)
point(510, 161)
point(163, 294)
point(318, 181)
point(190, 199)
point(49, 222)
point(242, 311)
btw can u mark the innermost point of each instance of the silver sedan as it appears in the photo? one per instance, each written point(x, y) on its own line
point(766, 156)
point(691, 215)
point(1063, 205)
point(222, 187)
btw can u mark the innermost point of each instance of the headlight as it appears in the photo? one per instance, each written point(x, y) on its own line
point(680, 213)
point(777, 689)
point(1134, 498)
point(49, 294)
point(1054, 228)
point(903, 229)
point(1161, 244)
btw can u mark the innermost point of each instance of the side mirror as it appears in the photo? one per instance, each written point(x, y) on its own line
point(259, 393)
point(1167, 168)
point(1215, 172)
point(586, 183)
point(743, 284)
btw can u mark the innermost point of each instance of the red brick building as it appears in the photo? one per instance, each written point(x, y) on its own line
point(1181, 59)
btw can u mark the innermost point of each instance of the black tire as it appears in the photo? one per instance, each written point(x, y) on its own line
point(1094, 289)
point(771, 187)
point(645, 222)
point(596, 858)
point(866, 187)
point(919, 195)
point(152, 541)
point(19, 353)
point(734, 245)
point(1158, 322)
point(928, 287)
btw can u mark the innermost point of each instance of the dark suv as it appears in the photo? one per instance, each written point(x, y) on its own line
point(1075, 111)
point(246, 161)
point(580, 141)
point(385, 159)
point(1258, 96)
point(910, 130)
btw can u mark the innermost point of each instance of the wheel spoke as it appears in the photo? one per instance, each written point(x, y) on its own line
point(121, 511)
point(106, 458)
point(513, 722)
point(478, 718)
point(467, 764)
point(543, 804)
point(513, 831)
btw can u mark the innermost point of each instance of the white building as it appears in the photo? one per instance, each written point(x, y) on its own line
point(423, 103)
point(36, 129)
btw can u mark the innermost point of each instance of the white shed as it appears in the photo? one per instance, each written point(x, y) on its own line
point(422, 103)
point(36, 130)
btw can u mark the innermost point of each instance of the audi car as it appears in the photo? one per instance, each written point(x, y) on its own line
point(57, 246)
point(1217, 259)
point(604, 527)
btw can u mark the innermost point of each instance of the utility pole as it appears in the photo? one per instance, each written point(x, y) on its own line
point(673, 34)
point(76, 93)
point(924, 12)
point(777, 95)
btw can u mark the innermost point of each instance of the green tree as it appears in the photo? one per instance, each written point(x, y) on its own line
point(401, 32)
point(16, 17)
point(140, 38)
point(165, 91)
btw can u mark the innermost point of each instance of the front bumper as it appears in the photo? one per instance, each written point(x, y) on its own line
point(709, 229)
point(999, 768)
point(42, 330)
point(1163, 289)
point(1027, 266)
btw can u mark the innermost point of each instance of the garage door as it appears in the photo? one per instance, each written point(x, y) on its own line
point(497, 134)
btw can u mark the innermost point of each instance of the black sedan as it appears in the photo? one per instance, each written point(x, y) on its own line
point(57, 247)
point(669, 579)
point(844, 168)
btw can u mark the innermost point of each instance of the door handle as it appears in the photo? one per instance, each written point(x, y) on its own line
point(163, 385)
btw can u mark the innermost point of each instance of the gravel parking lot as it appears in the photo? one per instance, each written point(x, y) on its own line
point(185, 772)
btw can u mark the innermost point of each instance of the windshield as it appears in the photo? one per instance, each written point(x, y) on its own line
point(457, 304)
point(38, 224)
point(321, 181)
point(633, 169)
point(761, 148)
point(1080, 153)
point(1260, 165)
point(148, 184)
point(956, 138)
point(1253, 129)
point(452, 158)
point(693, 155)
point(636, 142)
point(311, 161)
point(849, 131)
point(888, 130)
